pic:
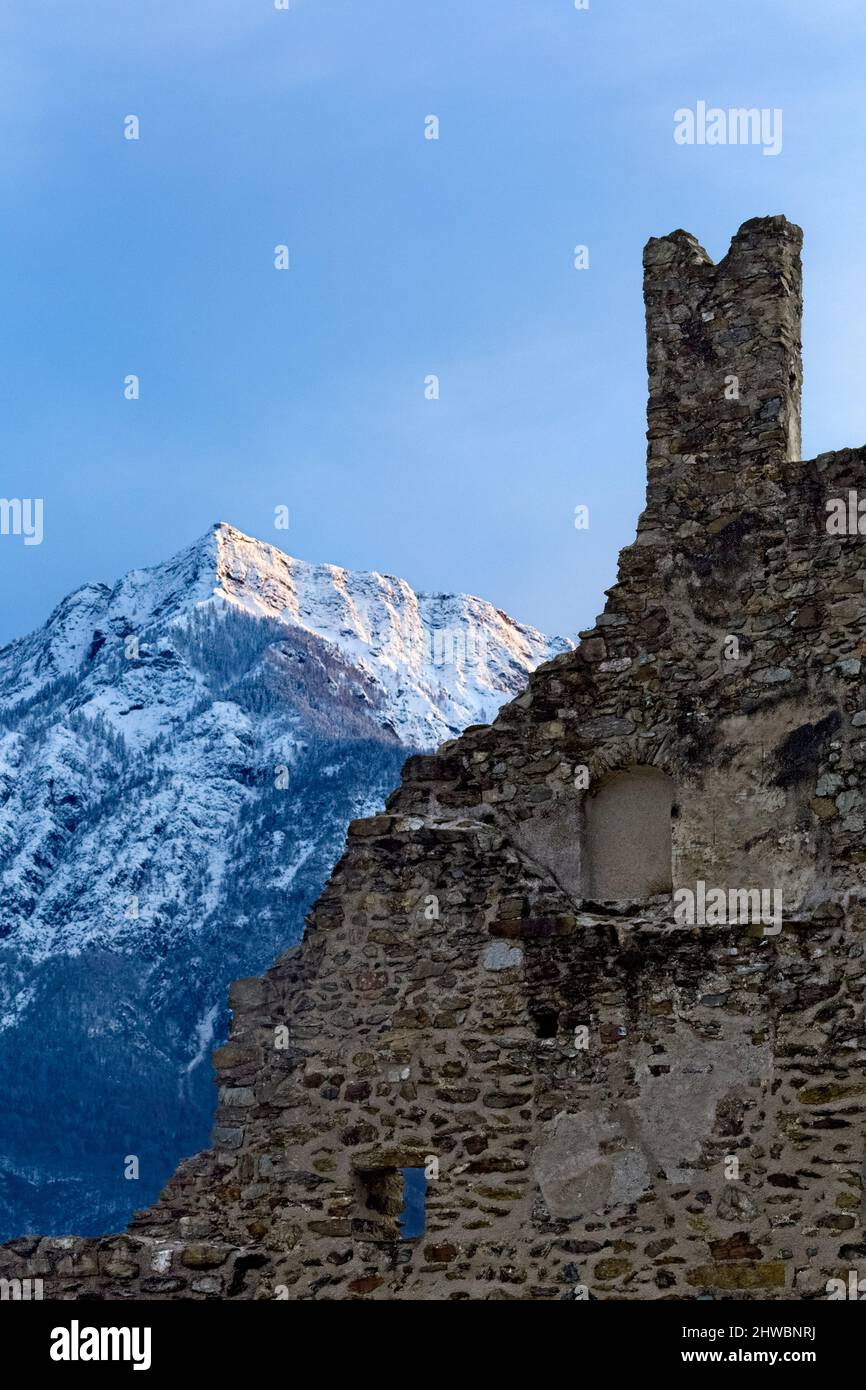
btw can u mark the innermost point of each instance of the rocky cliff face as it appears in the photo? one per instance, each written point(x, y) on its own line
point(180, 756)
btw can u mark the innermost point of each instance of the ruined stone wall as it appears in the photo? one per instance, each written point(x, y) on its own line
point(724, 360)
point(615, 1102)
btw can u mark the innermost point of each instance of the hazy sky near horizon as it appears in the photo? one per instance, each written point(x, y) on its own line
point(305, 388)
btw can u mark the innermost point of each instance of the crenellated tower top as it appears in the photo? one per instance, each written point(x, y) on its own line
point(723, 355)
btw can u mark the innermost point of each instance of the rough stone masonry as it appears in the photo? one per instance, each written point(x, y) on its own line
point(493, 986)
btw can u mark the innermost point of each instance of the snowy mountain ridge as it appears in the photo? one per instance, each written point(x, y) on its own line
point(442, 661)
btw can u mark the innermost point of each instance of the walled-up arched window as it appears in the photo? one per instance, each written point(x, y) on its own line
point(628, 836)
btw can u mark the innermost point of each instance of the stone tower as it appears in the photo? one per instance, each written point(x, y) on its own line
point(599, 967)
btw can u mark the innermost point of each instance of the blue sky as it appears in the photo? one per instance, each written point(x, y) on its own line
point(305, 388)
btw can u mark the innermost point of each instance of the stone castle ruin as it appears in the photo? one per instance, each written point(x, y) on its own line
point(542, 975)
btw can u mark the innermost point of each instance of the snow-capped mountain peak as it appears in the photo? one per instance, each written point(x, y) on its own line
point(437, 662)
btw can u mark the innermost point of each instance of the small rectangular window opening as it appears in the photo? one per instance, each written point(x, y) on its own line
point(390, 1203)
point(412, 1219)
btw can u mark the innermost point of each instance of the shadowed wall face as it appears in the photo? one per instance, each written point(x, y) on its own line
point(628, 831)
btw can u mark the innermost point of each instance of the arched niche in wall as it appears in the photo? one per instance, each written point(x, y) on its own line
point(628, 836)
